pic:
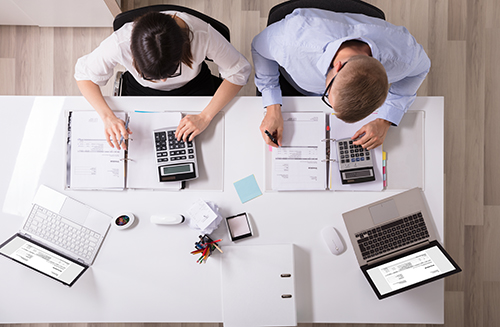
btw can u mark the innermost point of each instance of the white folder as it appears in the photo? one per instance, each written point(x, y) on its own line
point(258, 286)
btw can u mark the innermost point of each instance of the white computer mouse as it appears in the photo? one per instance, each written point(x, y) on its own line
point(169, 219)
point(333, 240)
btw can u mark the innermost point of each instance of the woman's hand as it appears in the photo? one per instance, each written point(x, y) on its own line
point(191, 126)
point(114, 129)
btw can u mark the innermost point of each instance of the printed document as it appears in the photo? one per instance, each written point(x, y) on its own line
point(297, 164)
point(93, 163)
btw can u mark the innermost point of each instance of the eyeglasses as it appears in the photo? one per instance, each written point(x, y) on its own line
point(178, 72)
point(325, 94)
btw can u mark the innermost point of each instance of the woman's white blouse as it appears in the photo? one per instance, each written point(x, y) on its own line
point(98, 66)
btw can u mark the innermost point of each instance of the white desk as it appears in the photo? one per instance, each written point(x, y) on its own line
point(146, 274)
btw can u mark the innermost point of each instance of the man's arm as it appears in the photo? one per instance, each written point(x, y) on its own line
point(266, 67)
point(267, 81)
point(401, 96)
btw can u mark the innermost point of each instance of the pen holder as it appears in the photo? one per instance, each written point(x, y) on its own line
point(205, 246)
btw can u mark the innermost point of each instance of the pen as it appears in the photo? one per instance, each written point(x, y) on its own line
point(384, 167)
point(271, 137)
point(126, 127)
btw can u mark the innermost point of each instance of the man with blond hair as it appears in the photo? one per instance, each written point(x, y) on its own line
point(355, 62)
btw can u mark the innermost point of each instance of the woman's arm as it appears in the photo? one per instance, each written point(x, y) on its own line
point(192, 125)
point(114, 128)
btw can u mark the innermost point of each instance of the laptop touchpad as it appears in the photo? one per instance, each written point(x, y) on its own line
point(384, 211)
point(75, 211)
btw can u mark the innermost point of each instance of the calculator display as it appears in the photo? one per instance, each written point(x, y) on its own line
point(176, 160)
point(360, 173)
point(175, 169)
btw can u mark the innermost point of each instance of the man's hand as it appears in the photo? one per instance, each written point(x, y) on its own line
point(273, 123)
point(374, 134)
point(191, 125)
point(114, 129)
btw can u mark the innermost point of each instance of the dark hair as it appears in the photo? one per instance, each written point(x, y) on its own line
point(159, 45)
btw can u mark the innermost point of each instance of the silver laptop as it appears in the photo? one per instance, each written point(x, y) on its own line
point(60, 237)
point(396, 245)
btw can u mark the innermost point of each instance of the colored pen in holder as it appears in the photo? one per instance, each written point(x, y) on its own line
point(205, 246)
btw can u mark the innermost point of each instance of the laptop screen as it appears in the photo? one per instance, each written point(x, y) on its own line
point(42, 259)
point(410, 269)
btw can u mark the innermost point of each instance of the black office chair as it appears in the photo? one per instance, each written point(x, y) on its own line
point(279, 12)
point(128, 16)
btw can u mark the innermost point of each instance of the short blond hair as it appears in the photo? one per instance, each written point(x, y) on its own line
point(360, 88)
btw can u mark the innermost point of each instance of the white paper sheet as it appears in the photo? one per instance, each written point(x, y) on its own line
point(297, 164)
point(93, 163)
point(142, 171)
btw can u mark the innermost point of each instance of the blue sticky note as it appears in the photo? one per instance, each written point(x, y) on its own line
point(247, 188)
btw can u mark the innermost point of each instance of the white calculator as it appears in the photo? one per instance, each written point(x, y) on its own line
point(176, 160)
point(355, 163)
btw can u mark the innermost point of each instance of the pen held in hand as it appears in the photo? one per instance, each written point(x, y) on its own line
point(126, 128)
point(271, 137)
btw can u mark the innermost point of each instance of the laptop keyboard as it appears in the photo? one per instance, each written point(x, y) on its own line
point(391, 236)
point(58, 230)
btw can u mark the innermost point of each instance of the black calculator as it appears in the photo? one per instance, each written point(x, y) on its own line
point(355, 163)
point(176, 160)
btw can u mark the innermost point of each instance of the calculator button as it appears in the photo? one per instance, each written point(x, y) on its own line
point(367, 158)
point(352, 160)
point(183, 157)
point(190, 151)
point(362, 158)
point(357, 159)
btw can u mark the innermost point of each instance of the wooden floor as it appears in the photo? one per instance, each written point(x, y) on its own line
point(462, 40)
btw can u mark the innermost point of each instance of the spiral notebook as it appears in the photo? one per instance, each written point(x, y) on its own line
point(308, 159)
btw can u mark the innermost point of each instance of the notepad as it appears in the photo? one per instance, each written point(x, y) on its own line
point(247, 188)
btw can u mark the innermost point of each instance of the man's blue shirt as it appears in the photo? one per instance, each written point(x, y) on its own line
point(305, 42)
